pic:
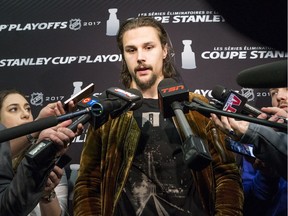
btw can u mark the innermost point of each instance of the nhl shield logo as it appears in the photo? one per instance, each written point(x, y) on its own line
point(248, 93)
point(36, 98)
point(75, 24)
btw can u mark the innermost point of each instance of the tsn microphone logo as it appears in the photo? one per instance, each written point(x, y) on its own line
point(172, 89)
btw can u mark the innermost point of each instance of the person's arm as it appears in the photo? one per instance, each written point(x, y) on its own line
point(86, 199)
point(260, 187)
point(270, 146)
point(50, 207)
point(54, 202)
point(19, 194)
point(21, 143)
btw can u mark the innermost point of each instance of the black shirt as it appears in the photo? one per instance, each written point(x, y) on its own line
point(159, 183)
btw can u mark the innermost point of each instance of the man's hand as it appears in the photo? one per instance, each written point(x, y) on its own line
point(230, 126)
point(275, 113)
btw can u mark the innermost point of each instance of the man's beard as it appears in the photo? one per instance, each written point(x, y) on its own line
point(147, 84)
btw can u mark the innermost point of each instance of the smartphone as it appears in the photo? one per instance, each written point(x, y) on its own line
point(79, 96)
point(63, 161)
point(243, 149)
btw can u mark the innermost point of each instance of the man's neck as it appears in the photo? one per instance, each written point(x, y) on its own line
point(150, 93)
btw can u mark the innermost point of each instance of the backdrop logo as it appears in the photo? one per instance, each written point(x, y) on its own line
point(248, 93)
point(77, 87)
point(188, 56)
point(36, 98)
point(113, 23)
point(75, 24)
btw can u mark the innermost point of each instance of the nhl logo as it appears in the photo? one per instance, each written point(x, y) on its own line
point(248, 93)
point(75, 24)
point(36, 98)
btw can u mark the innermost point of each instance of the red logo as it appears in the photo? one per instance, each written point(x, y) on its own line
point(233, 100)
point(172, 89)
point(86, 100)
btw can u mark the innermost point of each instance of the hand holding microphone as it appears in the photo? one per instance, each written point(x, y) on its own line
point(236, 103)
point(53, 143)
point(96, 110)
point(230, 126)
point(276, 114)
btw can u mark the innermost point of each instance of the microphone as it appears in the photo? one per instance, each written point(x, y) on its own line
point(271, 75)
point(205, 109)
point(171, 94)
point(130, 99)
point(40, 124)
point(233, 101)
point(236, 103)
point(203, 104)
point(116, 102)
point(121, 102)
point(45, 148)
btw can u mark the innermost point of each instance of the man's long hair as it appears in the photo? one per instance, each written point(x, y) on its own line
point(168, 67)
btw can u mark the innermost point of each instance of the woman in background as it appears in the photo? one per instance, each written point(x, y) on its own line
point(15, 110)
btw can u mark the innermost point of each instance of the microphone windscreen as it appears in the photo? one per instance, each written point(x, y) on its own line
point(138, 103)
point(169, 91)
point(31, 127)
point(219, 92)
point(271, 75)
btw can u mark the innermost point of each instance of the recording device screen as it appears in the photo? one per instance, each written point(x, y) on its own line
point(239, 148)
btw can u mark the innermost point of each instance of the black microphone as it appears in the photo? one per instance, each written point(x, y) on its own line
point(98, 115)
point(171, 94)
point(270, 75)
point(233, 101)
point(113, 102)
point(40, 124)
point(45, 148)
point(205, 109)
point(130, 99)
point(202, 103)
point(236, 103)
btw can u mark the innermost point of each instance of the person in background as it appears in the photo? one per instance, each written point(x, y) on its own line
point(14, 111)
point(133, 165)
point(264, 189)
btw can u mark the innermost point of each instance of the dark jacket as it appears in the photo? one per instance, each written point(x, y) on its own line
point(20, 194)
point(270, 146)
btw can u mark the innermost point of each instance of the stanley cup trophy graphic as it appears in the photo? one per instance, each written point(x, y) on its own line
point(188, 56)
point(113, 23)
point(77, 87)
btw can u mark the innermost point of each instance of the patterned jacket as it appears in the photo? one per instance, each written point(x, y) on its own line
point(108, 154)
